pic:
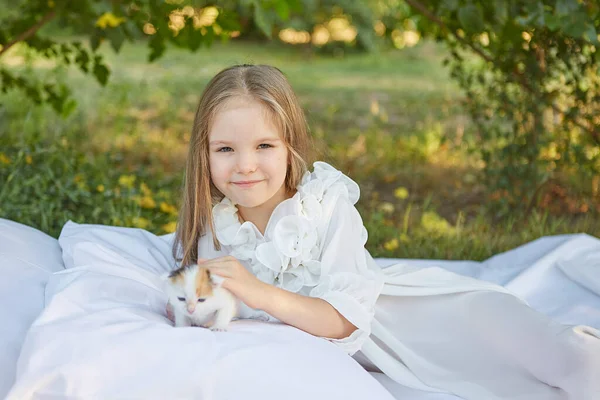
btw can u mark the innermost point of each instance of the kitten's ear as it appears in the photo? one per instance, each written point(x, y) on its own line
point(165, 277)
point(216, 280)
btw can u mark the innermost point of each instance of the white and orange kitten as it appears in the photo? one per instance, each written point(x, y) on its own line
point(198, 299)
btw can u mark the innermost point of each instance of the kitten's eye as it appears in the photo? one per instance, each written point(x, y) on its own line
point(201, 300)
point(181, 298)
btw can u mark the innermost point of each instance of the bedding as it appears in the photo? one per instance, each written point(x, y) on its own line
point(27, 259)
point(103, 332)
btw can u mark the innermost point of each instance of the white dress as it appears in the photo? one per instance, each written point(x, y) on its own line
point(426, 328)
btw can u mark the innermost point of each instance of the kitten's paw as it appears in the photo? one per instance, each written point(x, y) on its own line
point(218, 328)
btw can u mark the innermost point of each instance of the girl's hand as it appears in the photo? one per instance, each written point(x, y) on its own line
point(237, 279)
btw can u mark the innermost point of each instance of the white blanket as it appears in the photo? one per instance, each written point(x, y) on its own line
point(27, 258)
point(103, 333)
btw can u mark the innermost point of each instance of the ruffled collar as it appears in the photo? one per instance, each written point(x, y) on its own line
point(288, 253)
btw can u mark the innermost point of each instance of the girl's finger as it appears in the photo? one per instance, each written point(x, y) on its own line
point(222, 272)
point(224, 259)
point(206, 262)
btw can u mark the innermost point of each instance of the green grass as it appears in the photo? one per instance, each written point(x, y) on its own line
point(391, 120)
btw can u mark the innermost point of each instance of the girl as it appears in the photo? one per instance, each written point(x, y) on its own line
point(289, 243)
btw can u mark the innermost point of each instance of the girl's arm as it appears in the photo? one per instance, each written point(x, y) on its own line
point(312, 315)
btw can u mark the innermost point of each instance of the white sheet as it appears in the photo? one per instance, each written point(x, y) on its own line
point(556, 275)
point(103, 335)
point(27, 258)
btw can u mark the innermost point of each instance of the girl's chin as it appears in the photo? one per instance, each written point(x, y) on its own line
point(247, 203)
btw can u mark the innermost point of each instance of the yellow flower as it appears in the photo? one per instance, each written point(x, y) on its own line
point(401, 193)
point(432, 223)
point(127, 180)
point(4, 160)
point(77, 178)
point(170, 227)
point(168, 208)
point(145, 189)
point(391, 244)
point(140, 222)
point(147, 202)
point(386, 207)
point(100, 188)
point(404, 238)
point(109, 19)
point(28, 159)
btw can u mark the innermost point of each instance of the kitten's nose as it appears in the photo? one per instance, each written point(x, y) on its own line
point(191, 308)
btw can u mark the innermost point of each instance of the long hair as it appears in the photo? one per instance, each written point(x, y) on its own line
point(266, 85)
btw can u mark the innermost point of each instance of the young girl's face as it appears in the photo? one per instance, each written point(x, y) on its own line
point(248, 158)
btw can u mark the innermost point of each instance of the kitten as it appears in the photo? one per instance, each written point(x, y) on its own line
point(197, 299)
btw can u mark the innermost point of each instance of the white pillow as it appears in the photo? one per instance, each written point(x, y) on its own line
point(104, 335)
point(27, 258)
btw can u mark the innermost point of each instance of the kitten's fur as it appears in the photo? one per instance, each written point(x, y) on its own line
point(198, 300)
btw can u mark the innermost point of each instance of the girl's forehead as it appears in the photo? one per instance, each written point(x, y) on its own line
point(243, 119)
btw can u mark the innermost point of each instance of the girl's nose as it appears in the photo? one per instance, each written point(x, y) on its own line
point(246, 163)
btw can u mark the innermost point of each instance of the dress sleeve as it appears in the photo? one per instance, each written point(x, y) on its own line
point(350, 280)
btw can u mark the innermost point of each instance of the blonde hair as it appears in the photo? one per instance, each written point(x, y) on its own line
point(266, 85)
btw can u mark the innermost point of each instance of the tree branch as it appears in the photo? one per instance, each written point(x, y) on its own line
point(518, 78)
point(29, 32)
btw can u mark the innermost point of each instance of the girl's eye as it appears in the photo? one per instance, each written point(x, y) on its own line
point(181, 298)
point(225, 149)
point(264, 146)
point(201, 300)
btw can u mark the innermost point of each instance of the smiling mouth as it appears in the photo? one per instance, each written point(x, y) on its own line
point(246, 184)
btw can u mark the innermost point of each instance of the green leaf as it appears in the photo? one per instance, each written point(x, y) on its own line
point(552, 21)
point(68, 107)
point(501, 11)
point(116, 37)
point(282, 9)
point(534, 15)
point(96, 39)
point(157, 45)
point(575, 24)
point(100, 71)
point(193, 36)
point(565, 7)
point(471, 18)
point(3, 37)
point(228, 20)
point(449, 5)
point(296, 6)
point(591, 34)
point(82, 59)
point(261, 19)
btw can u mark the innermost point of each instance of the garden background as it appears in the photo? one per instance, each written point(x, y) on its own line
point(471, 126)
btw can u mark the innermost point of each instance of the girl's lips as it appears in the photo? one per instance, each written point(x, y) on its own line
point(245, 184)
